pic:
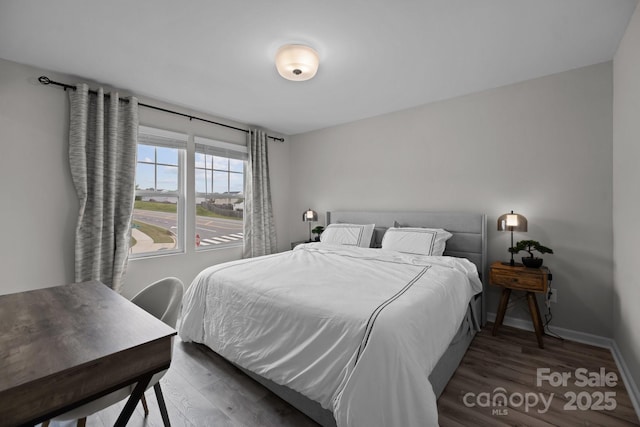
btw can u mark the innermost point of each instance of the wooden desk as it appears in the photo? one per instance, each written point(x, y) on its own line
point(524, 279)
point(64, 346)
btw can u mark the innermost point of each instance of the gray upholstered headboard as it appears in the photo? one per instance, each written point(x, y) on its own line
point(469, 230)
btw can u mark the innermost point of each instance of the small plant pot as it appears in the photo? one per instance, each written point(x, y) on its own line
point(532, 262)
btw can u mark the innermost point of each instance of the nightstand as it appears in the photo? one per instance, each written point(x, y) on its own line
point(531, 280)
point(294, 244)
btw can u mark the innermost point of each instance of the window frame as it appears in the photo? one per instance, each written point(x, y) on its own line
point(219, 149)
point(175, 140)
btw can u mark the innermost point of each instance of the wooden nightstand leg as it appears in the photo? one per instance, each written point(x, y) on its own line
point(504, 301)
point(535, 316)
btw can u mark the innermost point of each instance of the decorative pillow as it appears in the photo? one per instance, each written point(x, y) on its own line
point(348, 234)
point(420, 241)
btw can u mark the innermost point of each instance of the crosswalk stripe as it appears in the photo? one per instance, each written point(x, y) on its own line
point(234, 237)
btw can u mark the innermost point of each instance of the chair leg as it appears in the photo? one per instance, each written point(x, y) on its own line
point(82, 422)
point(144, 405)
point(161, 404)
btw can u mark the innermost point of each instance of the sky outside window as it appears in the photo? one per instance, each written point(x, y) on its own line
point(215, 174)
point(157, 168)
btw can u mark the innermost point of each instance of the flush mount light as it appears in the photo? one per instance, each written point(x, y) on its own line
point(297, 62)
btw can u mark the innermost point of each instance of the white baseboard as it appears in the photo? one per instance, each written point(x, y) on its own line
point(585, 338)
point(569, 334)
point(632, 387)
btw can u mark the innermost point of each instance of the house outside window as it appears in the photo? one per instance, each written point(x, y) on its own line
point(159, 208)
point(219, 193)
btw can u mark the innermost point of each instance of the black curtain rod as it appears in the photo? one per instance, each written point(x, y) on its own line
point(47, 81)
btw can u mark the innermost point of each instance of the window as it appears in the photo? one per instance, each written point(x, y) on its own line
point(158, 215)
point(219, 193)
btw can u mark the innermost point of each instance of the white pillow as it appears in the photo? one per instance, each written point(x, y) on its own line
point(420, 241)
point(348, 234)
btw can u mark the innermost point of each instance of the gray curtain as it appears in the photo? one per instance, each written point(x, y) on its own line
point(259, 229)
point(103, 133)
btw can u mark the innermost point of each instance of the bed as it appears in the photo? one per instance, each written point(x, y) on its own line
point(349, 335)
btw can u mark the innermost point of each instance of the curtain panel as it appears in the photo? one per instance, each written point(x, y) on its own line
point(258, 227)
point(103, 134)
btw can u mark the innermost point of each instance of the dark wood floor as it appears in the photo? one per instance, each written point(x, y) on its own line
point(510, 360)
point(202, 389)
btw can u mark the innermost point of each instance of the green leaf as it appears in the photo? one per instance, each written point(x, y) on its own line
point(530, 246)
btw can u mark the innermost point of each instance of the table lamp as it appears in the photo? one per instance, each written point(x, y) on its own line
point(309, 216)
point(512, 222)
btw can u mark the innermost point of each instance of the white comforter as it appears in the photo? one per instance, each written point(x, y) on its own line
point(357, 330)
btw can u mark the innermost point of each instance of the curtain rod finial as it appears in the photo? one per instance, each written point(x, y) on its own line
point(44, 80)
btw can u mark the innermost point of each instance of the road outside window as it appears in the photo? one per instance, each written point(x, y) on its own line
point(155, 215)
point(219, 198)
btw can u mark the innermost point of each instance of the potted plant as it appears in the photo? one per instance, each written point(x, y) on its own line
point(318, 230)
point(530, 245)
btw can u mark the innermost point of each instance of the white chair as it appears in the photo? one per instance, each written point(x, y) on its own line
point(162, 299)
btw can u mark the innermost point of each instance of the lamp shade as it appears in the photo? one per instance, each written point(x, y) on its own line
point(309, 215)
point(297, 62)
point(512, 222)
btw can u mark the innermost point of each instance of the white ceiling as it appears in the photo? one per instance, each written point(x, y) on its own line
point(376, 56)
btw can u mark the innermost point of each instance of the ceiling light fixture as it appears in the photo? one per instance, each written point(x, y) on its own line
point(297, 62)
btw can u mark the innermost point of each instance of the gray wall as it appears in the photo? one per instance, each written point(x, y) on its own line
point(542, 148)
point(626, 203)
point(39, 204)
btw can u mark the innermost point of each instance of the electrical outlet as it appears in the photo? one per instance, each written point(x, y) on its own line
point(553, 295)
